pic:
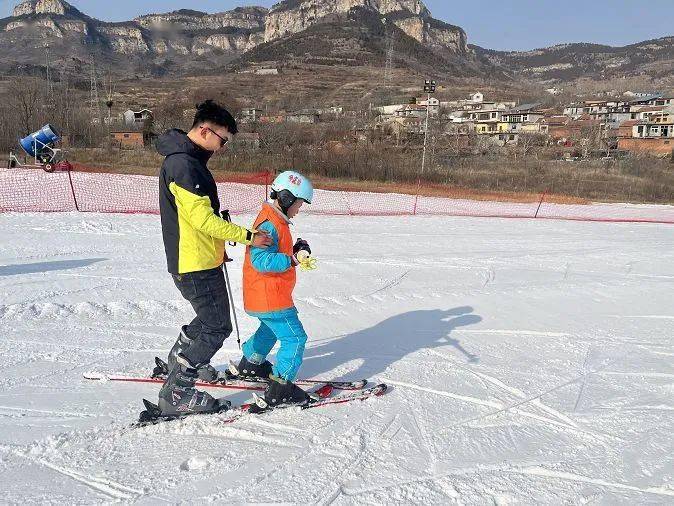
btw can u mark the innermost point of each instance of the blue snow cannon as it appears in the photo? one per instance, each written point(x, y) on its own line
point(41, 143)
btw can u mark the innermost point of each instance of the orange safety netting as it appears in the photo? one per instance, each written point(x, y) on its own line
point(33, 190)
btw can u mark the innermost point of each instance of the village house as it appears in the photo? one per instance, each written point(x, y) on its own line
point(535, 127)
point(564, 130)
point(654, 135)
point(272, 118)
point(433, 105)
point(331, 110)
point(464, 128)
point(487, 116)
point(473, 100)
point(305, 117)
point(409, 111)
point(250, 115)
point(404, 126)
point(129, 138)
point(136, 118)
point(512, 122)
point(656, 99)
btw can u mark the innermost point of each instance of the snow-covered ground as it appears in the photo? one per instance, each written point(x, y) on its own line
point(531, 362)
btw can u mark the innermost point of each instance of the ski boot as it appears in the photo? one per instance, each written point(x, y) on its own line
point(207, 372)
point(178, 397)
point(281, 392)
point(247, 370)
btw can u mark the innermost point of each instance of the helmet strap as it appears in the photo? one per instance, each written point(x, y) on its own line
point(284, 198)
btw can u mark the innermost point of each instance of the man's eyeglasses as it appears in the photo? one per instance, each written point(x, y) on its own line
point(223, 140)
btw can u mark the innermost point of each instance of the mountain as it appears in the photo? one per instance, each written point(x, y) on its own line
point(182, 41)
point(567, 62)
point(360, 37)
point(187, 41)
point(344, 32)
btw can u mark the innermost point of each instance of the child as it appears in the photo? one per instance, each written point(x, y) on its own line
point(268, 283)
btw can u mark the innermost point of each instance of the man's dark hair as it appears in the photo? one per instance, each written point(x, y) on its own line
point(209, 111)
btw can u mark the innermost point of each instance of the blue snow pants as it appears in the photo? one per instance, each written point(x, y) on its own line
point(289, 331)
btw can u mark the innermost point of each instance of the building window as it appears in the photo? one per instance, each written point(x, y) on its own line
point(126, 136)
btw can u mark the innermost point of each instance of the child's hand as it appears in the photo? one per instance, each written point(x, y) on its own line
point(301, 245)
point(261, 239)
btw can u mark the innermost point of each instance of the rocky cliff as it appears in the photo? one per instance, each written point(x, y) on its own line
point(224, 35)
point(183, 38)
point(411, 16)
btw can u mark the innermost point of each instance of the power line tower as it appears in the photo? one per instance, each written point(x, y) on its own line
point(388, 69)
point(388, 72)
point(49, 89)
point(64, 94)
point(94, 101)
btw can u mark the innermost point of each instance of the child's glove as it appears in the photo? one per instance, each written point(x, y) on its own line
point(301, 245)
point(302, 255)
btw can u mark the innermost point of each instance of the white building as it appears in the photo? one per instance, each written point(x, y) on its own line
point(137, 118)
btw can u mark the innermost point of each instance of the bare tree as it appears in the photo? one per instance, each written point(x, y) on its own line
point(528, 142)
point(26, 100)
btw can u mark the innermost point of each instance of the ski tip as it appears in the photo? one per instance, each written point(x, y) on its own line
point(94, 376)
point(380, 389)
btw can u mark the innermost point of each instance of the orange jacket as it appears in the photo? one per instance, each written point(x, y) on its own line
point(266, 292)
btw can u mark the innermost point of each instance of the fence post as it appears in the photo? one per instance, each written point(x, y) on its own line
point(266, 185)
point(416, 197)
point(540, 203)
point(72, 190)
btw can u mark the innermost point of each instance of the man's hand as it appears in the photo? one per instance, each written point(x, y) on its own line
point(261, 239)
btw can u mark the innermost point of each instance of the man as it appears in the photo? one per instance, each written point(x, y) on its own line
point(194, 240)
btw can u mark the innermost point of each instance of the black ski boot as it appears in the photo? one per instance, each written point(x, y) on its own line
point(249, 370)
point(282, 392)
point(207, 372)
point(178, 397)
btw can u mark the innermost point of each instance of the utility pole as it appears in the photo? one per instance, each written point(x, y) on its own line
point(109, 102)
point(429, 88)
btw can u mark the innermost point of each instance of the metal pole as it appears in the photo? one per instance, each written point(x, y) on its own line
point(225, 216)
point(231, 301)
point(423, 157)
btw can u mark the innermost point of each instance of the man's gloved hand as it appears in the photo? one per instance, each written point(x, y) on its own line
point(261, 239)
point(301, 245)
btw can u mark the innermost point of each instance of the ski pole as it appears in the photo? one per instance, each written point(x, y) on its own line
point(227, 217)
point(231, 301)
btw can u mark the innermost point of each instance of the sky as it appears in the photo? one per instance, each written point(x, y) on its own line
point(507, 25)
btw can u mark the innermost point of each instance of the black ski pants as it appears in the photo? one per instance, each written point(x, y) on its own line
point(207, 292)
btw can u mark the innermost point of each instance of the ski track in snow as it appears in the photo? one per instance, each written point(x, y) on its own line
point(529, 362)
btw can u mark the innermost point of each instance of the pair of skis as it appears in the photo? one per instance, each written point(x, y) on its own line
point(320, 397)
